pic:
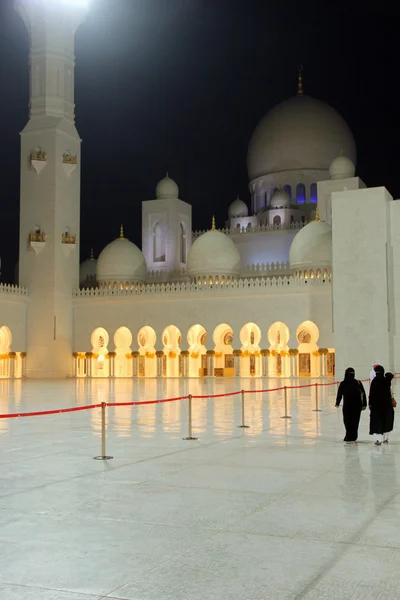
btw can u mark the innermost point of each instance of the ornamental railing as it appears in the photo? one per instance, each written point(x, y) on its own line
point(13, 290)
point(208, 284)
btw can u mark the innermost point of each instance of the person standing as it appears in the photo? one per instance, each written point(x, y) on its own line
point(354, 401)
point(381, 406)
point(372, 374)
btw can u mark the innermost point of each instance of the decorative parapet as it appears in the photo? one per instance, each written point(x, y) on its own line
point(252, 229)
point(259, 269)
point(66, 238)
point(69, 162)
point(13, 290)
point(38, 159)
point(249, 285)
point(37, 237)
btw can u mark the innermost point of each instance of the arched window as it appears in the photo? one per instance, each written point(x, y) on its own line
point(159, 242)
point(277, 221)
point(313, 193)
point(248, 228)
point(238, 226)
point(300, 193)
point(288, 190)
point(291, 219)
point(183, 244)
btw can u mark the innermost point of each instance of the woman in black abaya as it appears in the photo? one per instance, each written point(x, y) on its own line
point(381, 406)
point(354, 401)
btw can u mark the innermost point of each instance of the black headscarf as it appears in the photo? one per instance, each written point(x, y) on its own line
point(379, 370)
point(389, 377)
point(349, 373)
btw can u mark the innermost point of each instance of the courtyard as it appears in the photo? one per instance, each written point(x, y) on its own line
point(282, 510)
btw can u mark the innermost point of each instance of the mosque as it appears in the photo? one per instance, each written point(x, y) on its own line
point(302, 282)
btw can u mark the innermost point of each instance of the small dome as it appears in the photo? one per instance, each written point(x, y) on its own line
point(312, 246)
point(238, 208)
point(299, 133)
point(213, 253)
point(167, 188)
point(87, 272)
point(121, 261)
point(342, 168)
point(280, 199)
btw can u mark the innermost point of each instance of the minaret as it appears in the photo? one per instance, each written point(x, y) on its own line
point(50, 186)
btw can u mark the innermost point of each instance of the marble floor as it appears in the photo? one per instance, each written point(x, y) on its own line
point(282, 510)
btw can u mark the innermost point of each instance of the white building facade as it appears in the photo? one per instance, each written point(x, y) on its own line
point(301, 283)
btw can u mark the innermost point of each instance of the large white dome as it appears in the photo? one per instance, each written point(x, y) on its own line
point(87, 271)
point(238, 208)
point(299, 133)
point(312, 246)
point(280, 199)
point(342, 168)
point(167, 188)
point(121, 261)
point(213, 253)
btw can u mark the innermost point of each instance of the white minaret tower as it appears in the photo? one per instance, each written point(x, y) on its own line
point(50, 186)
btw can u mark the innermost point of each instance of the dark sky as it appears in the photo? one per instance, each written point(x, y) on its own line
point(180, 85)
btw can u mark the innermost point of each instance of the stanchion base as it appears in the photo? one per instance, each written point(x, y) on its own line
point(243, 426)
point(102, 457)
point(190, 438)
point(286, 417)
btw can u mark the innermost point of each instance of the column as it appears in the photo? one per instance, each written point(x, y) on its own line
point(111, 356)
point(236, 363)
point(264, 368)
point(210, 363)
point(12, 356)
point(89, 366)
point(76, 358)
point(159, 355)
point(135, 365)
point(185, 357)
point(23, 363)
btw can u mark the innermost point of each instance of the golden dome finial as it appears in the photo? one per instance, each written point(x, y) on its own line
point(300, 80)
point(91, 254)
point(317, 214)
point(213, 223)
point(121, 232)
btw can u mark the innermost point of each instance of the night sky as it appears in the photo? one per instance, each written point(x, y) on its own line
point(180, 85)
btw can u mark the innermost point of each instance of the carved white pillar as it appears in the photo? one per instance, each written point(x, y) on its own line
point(159, 355)
point(89, 369)
point(76, 361)
point(135, 364)
point(12, 356)
point(112, 364)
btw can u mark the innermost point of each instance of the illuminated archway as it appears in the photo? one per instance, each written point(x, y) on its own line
point(123, 352)
point(100, 360)
point(250, 362)
point(5, 347)
point(197, 339)
point(307, 337)
point(147, 353)
point(279, 362)
point(224, 360)
point(172, 360)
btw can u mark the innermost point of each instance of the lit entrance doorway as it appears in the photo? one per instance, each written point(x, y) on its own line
point(172, 360)
point(224, 359)
point(197, 339)
point(100, 360)
point(123, 352)
point(250, 362)
point(147, 353)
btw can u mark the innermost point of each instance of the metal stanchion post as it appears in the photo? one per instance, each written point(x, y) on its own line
point(286, 409)
point(243, 426)
point(317, 409)
point(190, 437)
point(103, 435)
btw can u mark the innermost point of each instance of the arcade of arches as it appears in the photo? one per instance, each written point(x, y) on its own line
point(11, 363)
point(219, 353)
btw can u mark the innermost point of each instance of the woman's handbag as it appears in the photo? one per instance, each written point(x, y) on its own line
point(394, 403)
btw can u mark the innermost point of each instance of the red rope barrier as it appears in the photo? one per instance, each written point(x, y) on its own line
point(149, 401)
point(40, 413)
point(219, 395)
